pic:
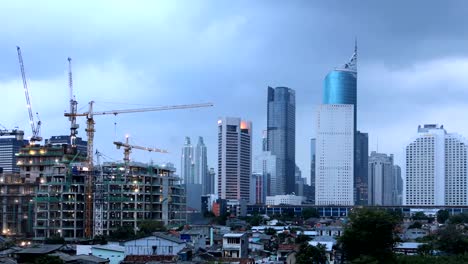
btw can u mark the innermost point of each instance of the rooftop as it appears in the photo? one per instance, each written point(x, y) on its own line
point(234, 235)
point(42, 249)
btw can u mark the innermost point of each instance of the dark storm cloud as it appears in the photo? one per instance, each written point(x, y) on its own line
point(412, 60)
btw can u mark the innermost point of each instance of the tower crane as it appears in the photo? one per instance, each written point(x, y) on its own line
point(36, 128)
point(90, 133)
point(128, 149)
point(73, 108)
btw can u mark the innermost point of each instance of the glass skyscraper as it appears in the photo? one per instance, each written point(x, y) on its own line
point(281, 137)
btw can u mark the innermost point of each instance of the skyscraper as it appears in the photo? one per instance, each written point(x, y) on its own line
point(187, 171)
point(281, 136)
point(209, 182)
point(201, 166)
point(398, 184)
point(234, 158)
point(334, 166)
point(381, 179)
point(340, 87)
point(312, 169)
point(436, 168)
point(9, 147)
point(265, 163)
point(361, 168)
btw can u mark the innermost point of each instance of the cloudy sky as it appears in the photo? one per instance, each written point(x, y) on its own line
point(413, 64)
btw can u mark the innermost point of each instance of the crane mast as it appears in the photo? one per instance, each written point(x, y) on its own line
point(99, 199)
point(35, 129)
point(90, 133)
point(73, 107)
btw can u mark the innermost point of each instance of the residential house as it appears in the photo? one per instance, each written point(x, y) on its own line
point(235, 245)
point(157, 244)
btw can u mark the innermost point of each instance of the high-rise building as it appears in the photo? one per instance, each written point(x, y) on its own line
point(10, 143)
point(340, 87)
point(201, 165)
point(81, 145)
point(209, 182)
point(361, 168)
point(265, 163)
point(258, 192)
point(436, 168)
point(398, 184)
point(381, 179)
point(311, 196)
point(334, 167)
point(187, 170)
point(234, 158)
point(299, 182)
point(281, 136)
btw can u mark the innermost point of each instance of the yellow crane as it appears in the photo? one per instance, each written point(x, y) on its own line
point(128, 149)
point(90, 133)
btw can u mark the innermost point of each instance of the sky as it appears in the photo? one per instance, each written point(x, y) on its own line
point(412, 65)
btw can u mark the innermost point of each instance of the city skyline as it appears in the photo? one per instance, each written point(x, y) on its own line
point(399, 72)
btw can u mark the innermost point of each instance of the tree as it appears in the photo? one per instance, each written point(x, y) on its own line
point(459, 218)
point(310, 212)
point(312, 255)
point(419, 216)
point(302, 239)
point(122, 232)
point(54, 240)
point(147, 227)
point(371, 233)
point(47, 259)
point(452, 241)
point(415, 225)
point(270, 231)
point(425, 249)
point(442, 216)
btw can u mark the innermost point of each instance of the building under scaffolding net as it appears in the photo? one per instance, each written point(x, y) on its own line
point(126, 193)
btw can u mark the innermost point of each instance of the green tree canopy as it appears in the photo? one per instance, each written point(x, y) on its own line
point(54, 240)
point(147, 227)
point(370, 232)
point(442, 216)
point(311, 255)
point(310, 212)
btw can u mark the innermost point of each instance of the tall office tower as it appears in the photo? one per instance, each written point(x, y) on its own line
point(381, 179)
point(436, 168)
point(81, 145)
point(340, 87)
point(281, 136)
point(209, 182)
point(258, 188)
point(334, 167)
point(312, 170)
point(398, 184)
point(264, 141)
point(361, 168)
point(187, 168)
point(10, 143)
point(299, 182)
point(265, 163)
point(234, 158)
point(201, 165)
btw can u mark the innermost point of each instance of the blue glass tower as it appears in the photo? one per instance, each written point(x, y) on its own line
point(340, 87)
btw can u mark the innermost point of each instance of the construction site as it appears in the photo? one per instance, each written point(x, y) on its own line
point(61, 191)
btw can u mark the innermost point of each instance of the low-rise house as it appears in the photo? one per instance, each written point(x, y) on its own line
point(235, 245)
point(333, 231)
point(414, 233)
point(329, 243)
point(407, 248)
point(29, 255)
point(157, 244)
point(113, 253)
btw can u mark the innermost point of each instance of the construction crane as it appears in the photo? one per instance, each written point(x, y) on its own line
point(128, 149)
point(73, 108)
point(36, 128)
point(99, 199)
point(90, 133)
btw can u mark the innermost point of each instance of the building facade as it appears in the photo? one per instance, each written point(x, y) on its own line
point(382, 189)
point(10, 143)
point(281, 136)
point(81, 145)
point(187, 167)
point(209, 182)
point(334, 168)
point(234, 158)
point(265, 163)
point(398, 184)
point(285, 199)
point(436, 168)
point(361, 168)
point(201, 165)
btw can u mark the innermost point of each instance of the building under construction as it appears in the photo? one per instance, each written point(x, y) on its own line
point(124, 194)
